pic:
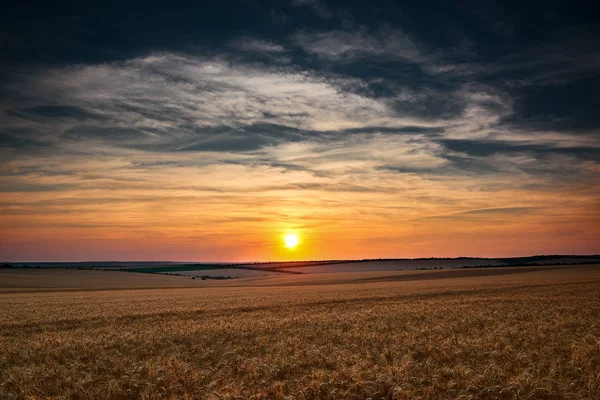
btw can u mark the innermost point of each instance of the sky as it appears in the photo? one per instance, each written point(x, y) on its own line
point(207, 131)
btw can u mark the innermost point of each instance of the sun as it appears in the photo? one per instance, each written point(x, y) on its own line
point(291, 240)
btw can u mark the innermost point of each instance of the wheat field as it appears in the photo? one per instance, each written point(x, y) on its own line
point(528, 335)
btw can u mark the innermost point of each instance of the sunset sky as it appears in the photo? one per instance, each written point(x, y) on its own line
point(188, 132)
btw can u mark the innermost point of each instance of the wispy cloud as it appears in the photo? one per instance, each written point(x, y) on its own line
point(359, 44)
point(256, 45)
point(164, 90)
point(317, 6)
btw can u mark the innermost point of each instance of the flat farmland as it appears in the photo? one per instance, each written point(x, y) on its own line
point(391, 265)
point(479, 333)
point(56, 279)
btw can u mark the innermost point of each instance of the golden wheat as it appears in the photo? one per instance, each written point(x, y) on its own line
point(534, 335)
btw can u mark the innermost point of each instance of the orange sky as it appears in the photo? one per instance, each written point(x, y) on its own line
point(109, 211)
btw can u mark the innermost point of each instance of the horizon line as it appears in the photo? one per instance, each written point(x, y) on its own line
point(297, 261)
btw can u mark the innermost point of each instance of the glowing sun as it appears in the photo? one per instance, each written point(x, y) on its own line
point(291, 240)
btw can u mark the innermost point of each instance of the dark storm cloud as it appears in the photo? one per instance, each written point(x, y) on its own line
point(460, 88)
point(570, 106)
point(18, 139)
point(479, 148)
